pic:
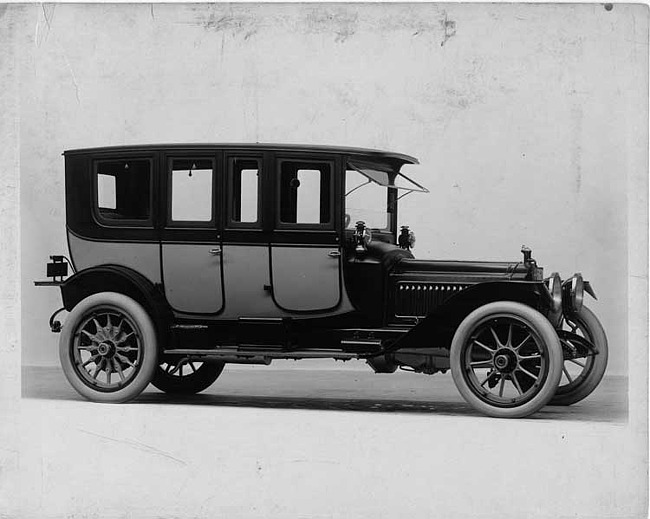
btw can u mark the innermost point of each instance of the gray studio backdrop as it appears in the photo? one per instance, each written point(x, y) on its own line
point(528, 120)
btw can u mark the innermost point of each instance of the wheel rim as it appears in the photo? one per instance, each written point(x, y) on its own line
point(576, 366)
point(107, 350)
point(182, 369)
point(505, 361)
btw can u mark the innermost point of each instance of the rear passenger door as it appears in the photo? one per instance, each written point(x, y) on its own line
point(305, 246)
point(190, 238)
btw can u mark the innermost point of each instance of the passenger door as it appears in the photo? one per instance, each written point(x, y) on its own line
point(305, 246)
point(190, 239)
point(247, 284)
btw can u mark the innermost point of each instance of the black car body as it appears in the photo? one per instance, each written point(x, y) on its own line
point(246, 253)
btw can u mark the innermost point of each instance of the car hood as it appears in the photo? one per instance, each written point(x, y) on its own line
point(471, 269)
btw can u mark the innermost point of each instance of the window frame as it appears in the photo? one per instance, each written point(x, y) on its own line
point(279, 224)
point(190, 224)
point(388, 202)
point(230, 223)
point(147, 223)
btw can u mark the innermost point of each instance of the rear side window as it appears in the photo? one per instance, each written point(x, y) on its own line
point(123, 190)
point(305, 193)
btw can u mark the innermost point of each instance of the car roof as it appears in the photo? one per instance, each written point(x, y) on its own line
point(366, 153)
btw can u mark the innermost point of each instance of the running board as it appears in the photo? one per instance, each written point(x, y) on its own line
point(236, 356)
point(361, 343)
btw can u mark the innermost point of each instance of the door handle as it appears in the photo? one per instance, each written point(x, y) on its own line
point(215, 252)
point(334, 253)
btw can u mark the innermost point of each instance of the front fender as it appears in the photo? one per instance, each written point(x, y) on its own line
point(438, 328)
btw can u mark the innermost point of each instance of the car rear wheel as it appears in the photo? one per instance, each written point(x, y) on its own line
point(506, 360)
point(582, 370)
point(183, 377)
point(108, 348)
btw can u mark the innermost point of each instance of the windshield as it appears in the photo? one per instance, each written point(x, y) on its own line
point(365, 200)
point(366, 193)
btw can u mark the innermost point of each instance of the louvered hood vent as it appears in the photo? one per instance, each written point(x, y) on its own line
point(419, 299)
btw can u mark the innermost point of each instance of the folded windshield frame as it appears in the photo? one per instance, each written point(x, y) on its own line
point(384, 175)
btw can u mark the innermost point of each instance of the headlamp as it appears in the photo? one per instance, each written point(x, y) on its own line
point(554, 286)
point(573, 293)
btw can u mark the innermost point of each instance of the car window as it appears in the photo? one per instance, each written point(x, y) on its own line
point(365, 201)
point(123, 190)
point(192, 190)
point(305, 192)
point(244, 190)
point(106, 191)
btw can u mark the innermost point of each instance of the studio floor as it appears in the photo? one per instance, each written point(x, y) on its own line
point(320, 440)
point(335, 386)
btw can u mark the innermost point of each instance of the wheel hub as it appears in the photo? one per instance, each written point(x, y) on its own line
point(505, 360)
point(107, 349)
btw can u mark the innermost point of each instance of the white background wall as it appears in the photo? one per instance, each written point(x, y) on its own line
point(529, 120)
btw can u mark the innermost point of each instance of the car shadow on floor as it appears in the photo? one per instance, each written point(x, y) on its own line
point(307, 391)
point(573, 413)
point(310, 403)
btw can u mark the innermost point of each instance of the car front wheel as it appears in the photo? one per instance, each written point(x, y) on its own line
point(108, 348)
point(185, 377)
point(506, 360)
point(583, 369)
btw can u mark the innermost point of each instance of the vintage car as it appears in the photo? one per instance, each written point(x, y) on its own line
point(190, 257)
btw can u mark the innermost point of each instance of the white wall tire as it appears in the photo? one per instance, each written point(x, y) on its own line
point(108, 348)
point(506, 360)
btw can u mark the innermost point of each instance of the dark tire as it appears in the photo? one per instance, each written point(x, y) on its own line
point(108, 348)
point(506, 360)
point(187, 379)
point(582, 374)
